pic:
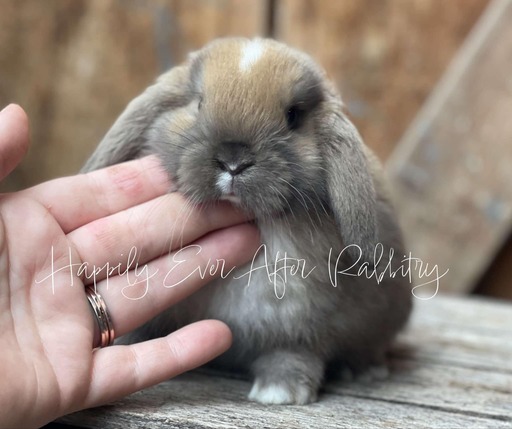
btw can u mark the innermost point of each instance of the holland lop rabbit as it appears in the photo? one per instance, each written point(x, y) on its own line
point(257, 123)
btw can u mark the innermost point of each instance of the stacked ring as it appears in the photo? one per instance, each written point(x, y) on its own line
point(102, 317)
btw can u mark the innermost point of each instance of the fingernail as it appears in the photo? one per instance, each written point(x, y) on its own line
point(5, 108)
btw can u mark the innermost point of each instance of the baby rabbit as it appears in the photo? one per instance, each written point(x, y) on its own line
point(257, 123)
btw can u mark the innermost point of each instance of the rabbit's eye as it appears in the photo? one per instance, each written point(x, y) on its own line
point(294, 117)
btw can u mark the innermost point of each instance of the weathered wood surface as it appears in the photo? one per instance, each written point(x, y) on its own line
point(452, 171)
point(385, 56)
point(452, 368)
point(75, 65)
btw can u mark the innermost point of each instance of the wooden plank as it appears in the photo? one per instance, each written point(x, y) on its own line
point(385, 56)
point(448, 388)
point(426, 388)
point(197, 402)
point(451, 171)
point(76, 64)
point(454, 356)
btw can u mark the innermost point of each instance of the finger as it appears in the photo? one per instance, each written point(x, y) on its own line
point(14, 138)
point(77, 200)
point(121, 370)
point(149, 230)
point(135, 297)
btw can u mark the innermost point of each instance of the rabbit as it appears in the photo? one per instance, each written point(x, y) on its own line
point(257, 123)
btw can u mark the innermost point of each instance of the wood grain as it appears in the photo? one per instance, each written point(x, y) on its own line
point(75, 65)
point(452, 170)
point(385, 56)
point(451, 369)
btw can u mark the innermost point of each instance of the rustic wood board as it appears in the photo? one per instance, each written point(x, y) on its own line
point(385, 56)
point(452, 368)
point(451, 171)
point(75, 65)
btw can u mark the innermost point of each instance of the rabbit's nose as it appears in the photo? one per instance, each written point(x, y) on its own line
point(234, 157)
point(233, 168)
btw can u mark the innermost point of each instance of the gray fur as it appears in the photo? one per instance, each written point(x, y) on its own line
point(313, 190)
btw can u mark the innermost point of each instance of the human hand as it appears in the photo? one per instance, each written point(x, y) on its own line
point(46, 326)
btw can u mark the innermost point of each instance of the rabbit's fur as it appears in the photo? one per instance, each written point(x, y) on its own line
point(257, 123)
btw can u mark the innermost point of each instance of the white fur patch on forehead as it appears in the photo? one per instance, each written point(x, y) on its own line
point(251, 53)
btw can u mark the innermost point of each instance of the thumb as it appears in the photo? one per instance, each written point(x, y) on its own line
point(14, 138)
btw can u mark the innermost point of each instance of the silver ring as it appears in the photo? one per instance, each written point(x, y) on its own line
point(99, 309)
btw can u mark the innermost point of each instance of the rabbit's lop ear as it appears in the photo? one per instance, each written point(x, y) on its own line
point(350, 186)
point(125, 140)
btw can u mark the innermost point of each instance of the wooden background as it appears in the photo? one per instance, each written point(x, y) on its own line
point(75, 64)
